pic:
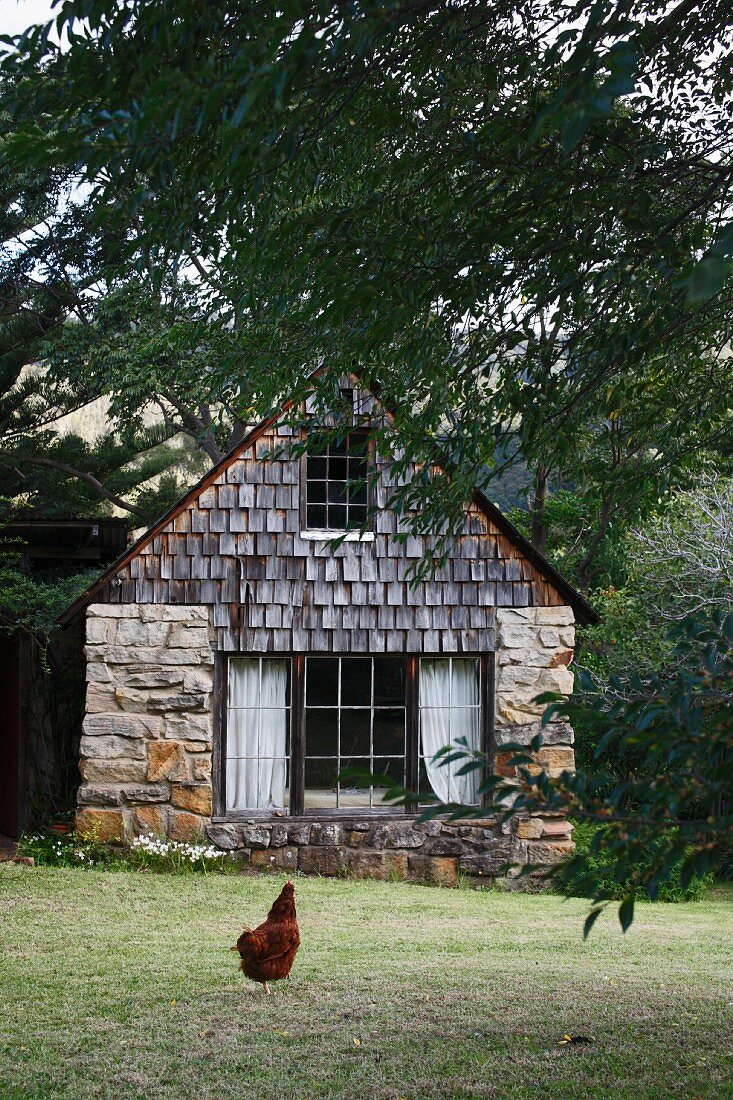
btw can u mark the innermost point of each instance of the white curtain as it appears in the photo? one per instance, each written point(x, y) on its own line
point(449, 708)
point(257, 720)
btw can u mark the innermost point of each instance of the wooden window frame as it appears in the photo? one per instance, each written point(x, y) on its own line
point(330, 532)
point(296, 809)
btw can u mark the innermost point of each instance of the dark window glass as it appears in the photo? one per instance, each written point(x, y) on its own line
point(389, 732)
point(316, 515)
point(321, 682)
point(356, 682)
point(336, 483)
point(321, 735)
point(356, 732)
point(342, 725)
point(389, 681)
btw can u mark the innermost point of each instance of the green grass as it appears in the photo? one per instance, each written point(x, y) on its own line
point(120, 985)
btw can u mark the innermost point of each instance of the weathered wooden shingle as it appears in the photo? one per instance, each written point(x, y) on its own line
point(238, 546)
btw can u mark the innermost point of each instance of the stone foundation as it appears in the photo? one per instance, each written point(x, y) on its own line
point(433, 852)
point(148, 736)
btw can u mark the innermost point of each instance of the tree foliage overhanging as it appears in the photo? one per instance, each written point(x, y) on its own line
point(515, 212)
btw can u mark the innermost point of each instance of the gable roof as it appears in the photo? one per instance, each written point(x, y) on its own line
point(584, 613)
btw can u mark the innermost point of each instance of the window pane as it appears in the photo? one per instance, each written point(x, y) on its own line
point(355, 792)
point(317, 492)
point(464, 683)
point(337, 468)
point(356, 682)
point(357, 493)
point(395, 769)
point(316, 467)
point(320, 784)
point(389, 680)
point(337, 492)
point(316, 515)
point(337, 517)
point(358, 447)
point(258, 721)
point(321, 681)
point(465, 723)
point(355, 732)
point(321, 737)
point(338, 446)
point(389, 732)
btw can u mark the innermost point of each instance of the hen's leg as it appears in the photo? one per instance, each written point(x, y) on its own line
point(266, 988)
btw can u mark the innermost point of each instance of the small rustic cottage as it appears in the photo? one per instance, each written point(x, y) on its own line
point(238, 662)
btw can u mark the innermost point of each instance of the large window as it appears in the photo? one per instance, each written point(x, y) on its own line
point(258, 733)
point(285, 744)
point(336, 489)
point(354, 717)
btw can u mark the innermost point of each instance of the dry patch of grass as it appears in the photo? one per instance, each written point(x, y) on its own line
point(121, 985)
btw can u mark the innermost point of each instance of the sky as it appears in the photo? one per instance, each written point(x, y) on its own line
point(17, 15)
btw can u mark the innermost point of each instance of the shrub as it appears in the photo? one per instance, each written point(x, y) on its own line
point(590, 872)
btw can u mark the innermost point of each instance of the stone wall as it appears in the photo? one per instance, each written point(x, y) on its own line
point(147, 744)
point(148, 730)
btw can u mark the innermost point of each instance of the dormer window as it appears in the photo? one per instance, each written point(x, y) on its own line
point(336, 489)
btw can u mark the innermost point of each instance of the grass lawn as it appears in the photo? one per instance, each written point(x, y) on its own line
point(120, 985)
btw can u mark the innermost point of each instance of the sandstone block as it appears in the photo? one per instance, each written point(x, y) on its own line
point(329, 861)
point(98, 673)
point(434, 870)
point(100, 631)
point(100, 698)
point(197, 746)
point(108, 747)
point(185, 826)
point(100, 796)
point(167, 760)
point(299, 834)
point(485, 863)
point(530, 830)
point(223, 836)
point(201, 767)
point(278, 836)
point(107, 826)
point(256, 836)
point(445, 846)
point(146, 793)
point(557, 827)
point(397, 835)
point(194, 797)
point(153, 678)
point(330, 834)
point(354, 838)
point(547, 854)
point(189, 727)
point(111, 610)
point(368, 863)
point(198, 680)
point(277, 859)
point(556, 759)
point(186, 613)
point(148, 819)
point(133, 632)
point(178, 701)
point(123, 725)
point(187, 637)
point(112, 771)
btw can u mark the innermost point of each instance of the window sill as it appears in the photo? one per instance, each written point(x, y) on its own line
point(327, 536)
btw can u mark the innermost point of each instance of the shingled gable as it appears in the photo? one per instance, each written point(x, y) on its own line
point(566, 593)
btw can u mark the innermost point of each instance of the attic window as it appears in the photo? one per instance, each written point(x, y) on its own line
point(336, 496)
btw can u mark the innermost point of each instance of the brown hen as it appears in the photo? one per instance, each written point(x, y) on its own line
point(268, 951)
